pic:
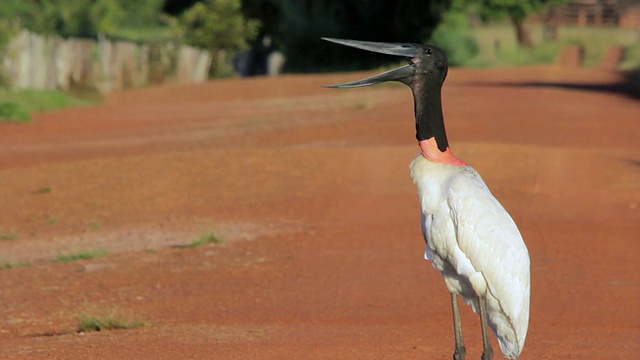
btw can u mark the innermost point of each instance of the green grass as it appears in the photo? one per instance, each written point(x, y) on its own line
point(9, 235)
point(90, 254)
point(11, 111)
point(12, 265)
point(18, 105)
point(596, 41)
point(631, 58)
point(204, 239)
point(44, 190)
point(107, 319)
point(96, 226)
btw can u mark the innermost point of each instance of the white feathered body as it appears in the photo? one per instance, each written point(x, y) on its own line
point(476, 245)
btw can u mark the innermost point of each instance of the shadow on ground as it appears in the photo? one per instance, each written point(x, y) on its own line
point(628, 86)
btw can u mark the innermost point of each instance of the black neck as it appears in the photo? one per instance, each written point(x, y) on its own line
point(429, 117)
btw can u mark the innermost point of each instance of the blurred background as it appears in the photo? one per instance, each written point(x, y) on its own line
point(66, 52)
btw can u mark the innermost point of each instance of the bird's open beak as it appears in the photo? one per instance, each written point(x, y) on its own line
point(398, 49)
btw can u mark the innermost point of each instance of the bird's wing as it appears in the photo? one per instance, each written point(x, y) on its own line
point(490, 239)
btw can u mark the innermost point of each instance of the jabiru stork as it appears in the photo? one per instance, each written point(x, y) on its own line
point(469, 235)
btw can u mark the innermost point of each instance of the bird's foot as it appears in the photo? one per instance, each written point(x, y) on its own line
point(460, 353)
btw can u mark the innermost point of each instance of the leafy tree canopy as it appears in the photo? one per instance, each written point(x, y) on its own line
point(218, 25)
point(80, 18)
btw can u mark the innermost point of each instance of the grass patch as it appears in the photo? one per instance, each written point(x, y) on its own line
point(91, 254)
point(12, 265)
point(107, 319)
point(204, 239)
point(18, 105)
point(9, 236)
point(542, 53)
point(11, 111)
point(631, 58)
point(44, 190)
point(596, 40)
point(96, 226)
point(498, 45)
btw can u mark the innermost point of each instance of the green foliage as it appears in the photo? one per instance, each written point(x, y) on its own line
point(82, 18)
point(11, 111)
point(219, 25)
point(7, 32)
point(142, 13)
point(454, 36)
point(105, 16)
point(151, 34)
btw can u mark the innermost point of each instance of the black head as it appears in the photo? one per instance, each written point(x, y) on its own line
point(427, 64)
point(424, 74)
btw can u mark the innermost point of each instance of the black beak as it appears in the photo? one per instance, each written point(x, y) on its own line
point(399, 49)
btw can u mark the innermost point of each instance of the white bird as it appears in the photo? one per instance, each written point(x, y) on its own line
point(469, 236)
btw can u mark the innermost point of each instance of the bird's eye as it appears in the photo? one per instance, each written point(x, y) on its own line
point(428, 51)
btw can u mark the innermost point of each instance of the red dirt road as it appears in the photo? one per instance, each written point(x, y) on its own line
point(309, 189)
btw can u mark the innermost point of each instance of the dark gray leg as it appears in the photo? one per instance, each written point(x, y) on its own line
point(487, 352)
point(460, 351)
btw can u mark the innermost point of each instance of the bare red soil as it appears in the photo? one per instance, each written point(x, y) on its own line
point(309, 189)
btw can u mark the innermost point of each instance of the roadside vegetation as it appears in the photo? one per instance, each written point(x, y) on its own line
point(474, 33)
point(18, 105)
point(489, 34)
point(114, 318)
point(498, 46)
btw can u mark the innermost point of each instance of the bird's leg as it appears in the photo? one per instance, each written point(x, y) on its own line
point(487, 352)
point(460, 351)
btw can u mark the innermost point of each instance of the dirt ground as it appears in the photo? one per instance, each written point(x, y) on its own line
point(309, 190)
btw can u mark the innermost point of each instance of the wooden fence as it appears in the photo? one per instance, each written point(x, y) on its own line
point(50, 62)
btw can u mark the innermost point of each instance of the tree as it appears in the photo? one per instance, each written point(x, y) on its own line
point(517, 11)
point(105, 16)
point(218, 25)
point(142, 13)
point(454, 36)
point(79, 18)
